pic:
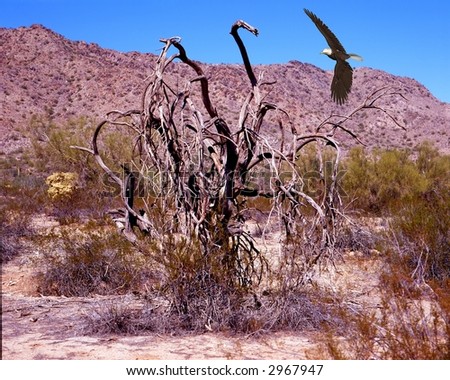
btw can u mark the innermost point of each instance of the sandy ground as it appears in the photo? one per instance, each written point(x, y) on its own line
point(43, 327)
point(37, 327)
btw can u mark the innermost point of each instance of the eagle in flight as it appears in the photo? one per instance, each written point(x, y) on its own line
point(343, 72)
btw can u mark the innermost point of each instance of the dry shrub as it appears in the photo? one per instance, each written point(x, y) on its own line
point(12, 229)
point(407, 324)
point(201, 289)
point(121, 316)
point(304, 309)
point(422, 231)
point(359, 236)
point(250, 314)
point(20, 197)
point(80, 264)
point(205, 293)
point(196, 293)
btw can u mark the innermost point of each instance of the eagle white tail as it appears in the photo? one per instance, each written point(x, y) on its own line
point(356, 56)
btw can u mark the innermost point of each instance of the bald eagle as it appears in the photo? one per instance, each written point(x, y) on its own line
point(342, 79)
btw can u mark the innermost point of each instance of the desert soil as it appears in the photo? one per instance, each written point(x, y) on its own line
point(43, 327)
point(50, 327)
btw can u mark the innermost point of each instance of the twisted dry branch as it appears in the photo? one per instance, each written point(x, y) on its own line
point(205, 169)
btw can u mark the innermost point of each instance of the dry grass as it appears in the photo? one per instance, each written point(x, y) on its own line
point(182, 292)
point(84, 262)
point(409, 321)
point(191, 286)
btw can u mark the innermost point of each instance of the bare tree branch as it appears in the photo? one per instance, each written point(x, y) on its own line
point(234, 32)
point(200, 171)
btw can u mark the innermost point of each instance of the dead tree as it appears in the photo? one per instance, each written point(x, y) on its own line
point(203, 165)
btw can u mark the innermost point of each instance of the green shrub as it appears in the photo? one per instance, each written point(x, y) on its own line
point(421, 223)
point(397, 179)
point(50, 146)
point(412, 190)
point(315, 166)
point(359, 182)
point(52, 152)
point(381, 182)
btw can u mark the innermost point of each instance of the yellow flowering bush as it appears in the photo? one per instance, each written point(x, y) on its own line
point(61, 185)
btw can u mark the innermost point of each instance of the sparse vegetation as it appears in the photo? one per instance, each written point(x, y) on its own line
point(414, 193)
point(408, 323)
point(14, 226)
point(204, 169)
point(226, 230)
point(61, 185)
point(83, 262)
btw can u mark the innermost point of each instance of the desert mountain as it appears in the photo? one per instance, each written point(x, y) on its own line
point(43, 73)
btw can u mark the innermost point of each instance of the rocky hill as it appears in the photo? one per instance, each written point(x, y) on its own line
point(43, 73)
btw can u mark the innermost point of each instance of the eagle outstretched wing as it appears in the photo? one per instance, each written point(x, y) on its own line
point(342, 81)
point(332, 40)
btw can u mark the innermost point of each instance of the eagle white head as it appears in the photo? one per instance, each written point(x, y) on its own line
point(326, 51)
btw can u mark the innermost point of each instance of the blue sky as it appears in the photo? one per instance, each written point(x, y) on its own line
point(406, 38)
